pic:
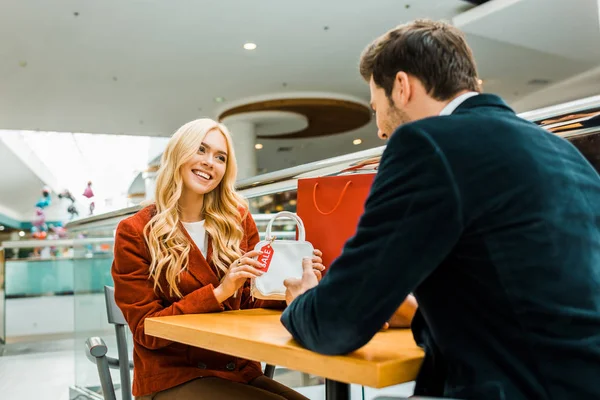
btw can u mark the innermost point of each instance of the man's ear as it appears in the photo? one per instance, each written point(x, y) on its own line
point(402, 90)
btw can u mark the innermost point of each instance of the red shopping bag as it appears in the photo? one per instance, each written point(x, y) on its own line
point(330, 208)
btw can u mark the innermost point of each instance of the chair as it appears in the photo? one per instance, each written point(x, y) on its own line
point(97, 349)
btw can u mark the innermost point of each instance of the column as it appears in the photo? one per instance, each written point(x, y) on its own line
point(243, 135)
point(149, 177)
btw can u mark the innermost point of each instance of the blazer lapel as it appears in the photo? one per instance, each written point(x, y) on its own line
point(201, 268)
point(198, 266)
point(232, 303)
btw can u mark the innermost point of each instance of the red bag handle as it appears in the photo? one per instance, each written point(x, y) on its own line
point(338, 202)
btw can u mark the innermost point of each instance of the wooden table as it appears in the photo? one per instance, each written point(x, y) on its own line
point(390, 358)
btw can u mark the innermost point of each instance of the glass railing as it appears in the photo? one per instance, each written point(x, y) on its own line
point(2, 300)
point(72, 274)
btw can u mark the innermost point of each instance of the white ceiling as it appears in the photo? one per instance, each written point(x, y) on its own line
point(145, 67)
point(543, 25)
point(580, 86)
point(17, 200)
point(14, 195)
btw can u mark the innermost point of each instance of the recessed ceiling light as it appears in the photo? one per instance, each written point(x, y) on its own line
point(356, 142)
point(219, 99)
point(538, 81)
point(258, 146)
point(250, 46)
point(22, 233)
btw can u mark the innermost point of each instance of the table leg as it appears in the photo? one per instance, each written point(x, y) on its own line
point(336, 390)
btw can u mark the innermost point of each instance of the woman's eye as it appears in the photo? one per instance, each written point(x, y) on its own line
point(201, 149)
point(222, 158)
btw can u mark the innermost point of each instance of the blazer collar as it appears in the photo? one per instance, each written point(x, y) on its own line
point(482, 100)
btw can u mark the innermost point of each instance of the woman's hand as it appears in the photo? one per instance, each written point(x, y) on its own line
point(317, 265)
point(241, 269)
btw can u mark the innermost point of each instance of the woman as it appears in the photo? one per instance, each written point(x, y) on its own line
point(192, 252)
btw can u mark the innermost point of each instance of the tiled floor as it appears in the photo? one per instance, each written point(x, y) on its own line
point(40, 370)
point(44, 366)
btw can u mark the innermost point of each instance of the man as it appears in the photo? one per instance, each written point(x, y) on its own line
point(492, 222)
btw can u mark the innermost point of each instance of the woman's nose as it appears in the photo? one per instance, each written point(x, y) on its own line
point(207, 161)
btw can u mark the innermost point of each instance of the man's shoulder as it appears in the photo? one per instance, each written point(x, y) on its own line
point(470, 128)
point(461, 122)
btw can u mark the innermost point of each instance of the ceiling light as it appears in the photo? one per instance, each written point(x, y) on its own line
point(538, 81)
point(250, 46)
point(22, 233)
point(219, 99)
point(356, 142)
point(258, 146)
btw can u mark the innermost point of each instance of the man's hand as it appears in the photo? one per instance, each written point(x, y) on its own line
point(296, 287)
point(403, 316)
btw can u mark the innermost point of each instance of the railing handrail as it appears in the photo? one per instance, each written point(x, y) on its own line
point(20, 244)
point(558, 110)
point(286, 179)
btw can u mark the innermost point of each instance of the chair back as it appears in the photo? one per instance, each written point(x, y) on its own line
point(115, 317)
point(114, 313)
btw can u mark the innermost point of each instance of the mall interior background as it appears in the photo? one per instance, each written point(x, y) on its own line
point(90, 92)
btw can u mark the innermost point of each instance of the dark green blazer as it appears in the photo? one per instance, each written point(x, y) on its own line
point(494, 224)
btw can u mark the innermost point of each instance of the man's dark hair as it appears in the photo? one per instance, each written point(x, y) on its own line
point(434, 52)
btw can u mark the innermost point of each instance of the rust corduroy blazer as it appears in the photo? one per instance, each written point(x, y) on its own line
point(161, 364)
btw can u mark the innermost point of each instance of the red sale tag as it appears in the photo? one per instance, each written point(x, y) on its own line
point(266, 256)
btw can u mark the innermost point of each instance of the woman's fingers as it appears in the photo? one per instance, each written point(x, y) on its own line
point(236, 276)
point(252, 254)
point(252, 263)
point(248, 268)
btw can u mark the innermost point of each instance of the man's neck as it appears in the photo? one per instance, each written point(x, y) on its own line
point(444, 104)
point(431, 107)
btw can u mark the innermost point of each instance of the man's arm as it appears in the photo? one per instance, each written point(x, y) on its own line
point(412, 220)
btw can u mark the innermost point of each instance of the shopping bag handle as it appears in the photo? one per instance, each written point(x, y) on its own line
point(287, 214)
point(336, 205)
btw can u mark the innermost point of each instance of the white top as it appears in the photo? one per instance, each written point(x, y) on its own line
point(450, 107)
point(198, 234)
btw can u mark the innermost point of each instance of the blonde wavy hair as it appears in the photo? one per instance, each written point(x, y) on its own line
point(169, 246)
